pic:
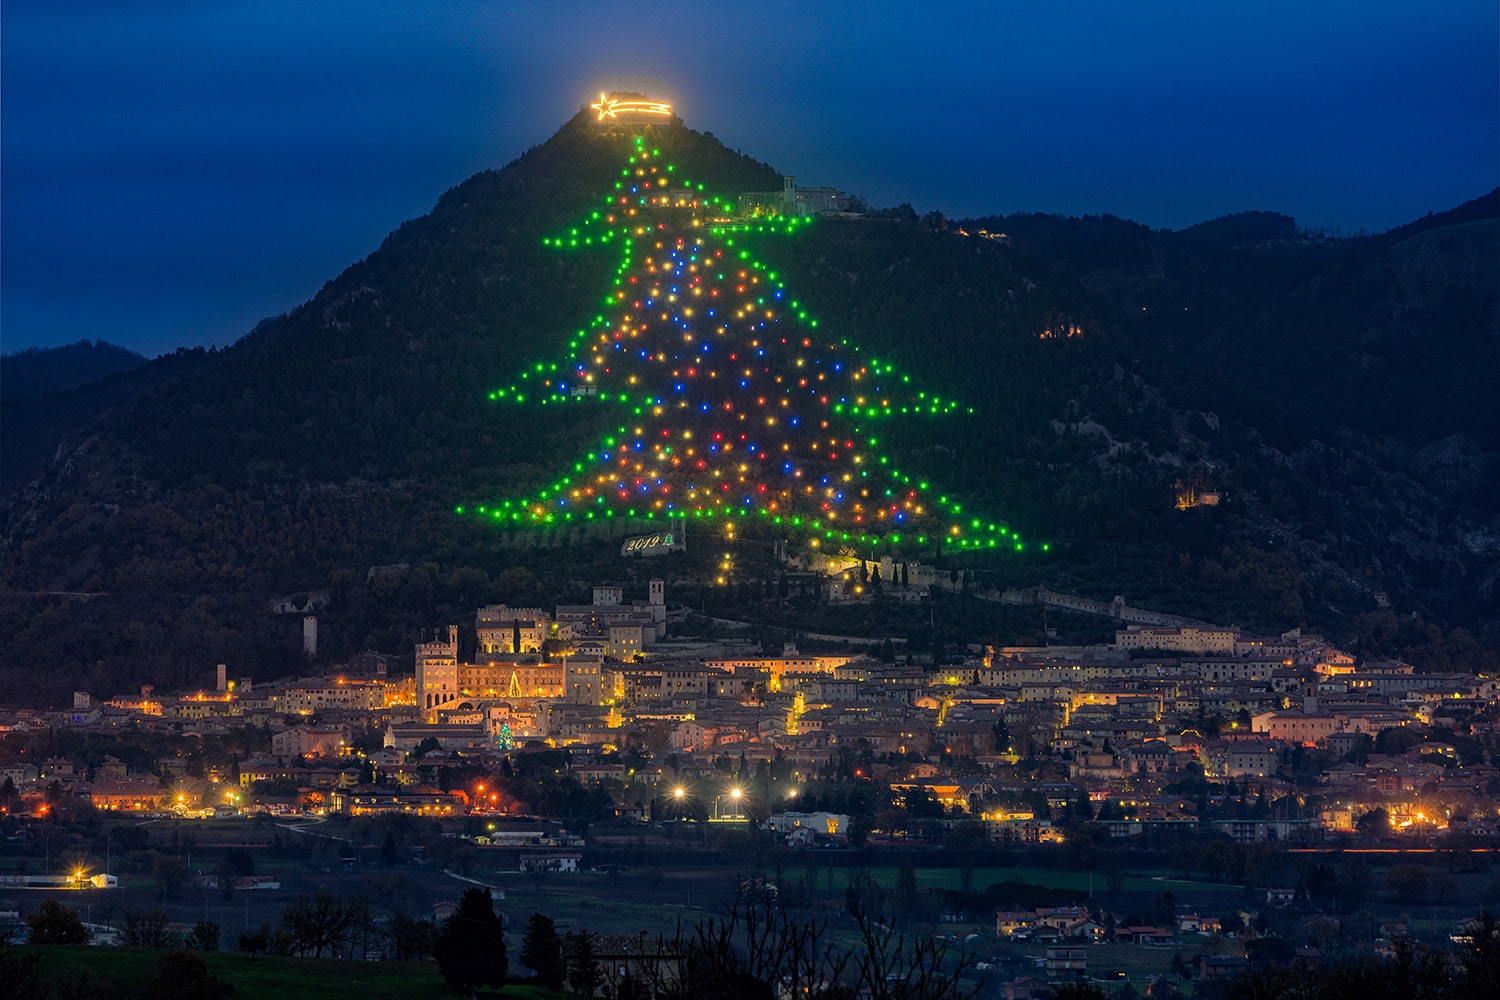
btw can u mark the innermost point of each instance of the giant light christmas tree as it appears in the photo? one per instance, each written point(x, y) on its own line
point(736, 408)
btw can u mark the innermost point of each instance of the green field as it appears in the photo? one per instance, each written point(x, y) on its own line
point(656, 899)
point(272, 978)
point(598, 904)
point(948, 878)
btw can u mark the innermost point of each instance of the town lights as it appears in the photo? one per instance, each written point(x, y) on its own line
point(678, 793)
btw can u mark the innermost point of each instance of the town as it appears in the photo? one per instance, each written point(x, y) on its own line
point(1115, 726)
point(555, 742)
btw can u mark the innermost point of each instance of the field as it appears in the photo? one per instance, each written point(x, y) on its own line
point(273, 978)
point(948, 878)
point(657, 881)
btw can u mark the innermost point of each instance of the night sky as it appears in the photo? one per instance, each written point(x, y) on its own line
point(175, 171)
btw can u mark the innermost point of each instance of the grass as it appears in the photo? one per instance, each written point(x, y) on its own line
point(948, 878)
point(271, 977)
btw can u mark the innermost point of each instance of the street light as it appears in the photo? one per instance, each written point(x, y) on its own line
point(676, 805)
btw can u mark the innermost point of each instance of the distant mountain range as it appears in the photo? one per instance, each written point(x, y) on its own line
point(1341, 395)
point(42, 371)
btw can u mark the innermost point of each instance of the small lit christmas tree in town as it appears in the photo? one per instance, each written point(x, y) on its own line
point(734, 404)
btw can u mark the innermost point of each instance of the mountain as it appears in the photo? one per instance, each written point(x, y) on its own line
point(32, 427)
point(45, 392)
point(41, 371)
point(1109, 368)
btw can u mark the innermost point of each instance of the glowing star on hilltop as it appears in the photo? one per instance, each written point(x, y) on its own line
point(613, 107)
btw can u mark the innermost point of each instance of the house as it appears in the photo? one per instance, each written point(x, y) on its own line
point(1007, 922)
point(1143, 935)
point(1152, 757)
point(1192, 923)
point(551, 861)
point(308, 741)
point(57, 768)
point(19, 774)
point(826, 823)
point(1061, 916)
point(369, 800)
point(950, 793)
point(1221, 966)
point(1026, 988)
point(1084, 930)
point(140, 794)
point(1067, 960)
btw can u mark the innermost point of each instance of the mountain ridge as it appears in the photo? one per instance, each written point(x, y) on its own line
point(42, 371)
point(341, 435)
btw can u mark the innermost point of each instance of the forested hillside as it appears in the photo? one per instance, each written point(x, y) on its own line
point(40, 371)
point(1338, 392)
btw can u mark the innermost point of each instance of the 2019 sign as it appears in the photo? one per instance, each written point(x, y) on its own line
point(653, 544)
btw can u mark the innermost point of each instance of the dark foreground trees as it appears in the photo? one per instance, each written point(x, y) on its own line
point(584, 975)
point(147, 929)
point(759, 951)
point(1413, 971)
point(184, 975)
point(1079, 991)
point(318, 924)
point(54, 923)
point(541, 951)
point(470, 949)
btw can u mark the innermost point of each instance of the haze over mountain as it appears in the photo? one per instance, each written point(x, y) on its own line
point(1340, 392)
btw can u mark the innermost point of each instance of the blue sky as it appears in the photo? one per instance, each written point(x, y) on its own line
point(171, 172)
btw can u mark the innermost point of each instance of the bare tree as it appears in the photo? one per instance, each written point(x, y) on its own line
point(756, 945)
point(888, 970)
point(151, 929)
point(318, 924)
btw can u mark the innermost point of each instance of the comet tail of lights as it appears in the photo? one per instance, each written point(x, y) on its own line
point(612, 106)
point(730, 402)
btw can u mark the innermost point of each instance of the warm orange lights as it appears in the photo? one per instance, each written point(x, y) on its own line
point(610, 106)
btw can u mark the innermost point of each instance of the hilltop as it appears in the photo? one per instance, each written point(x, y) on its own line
point(41, 371)
point(1109, 366)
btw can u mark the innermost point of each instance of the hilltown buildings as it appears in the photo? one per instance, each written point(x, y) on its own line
point(1117, 728)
